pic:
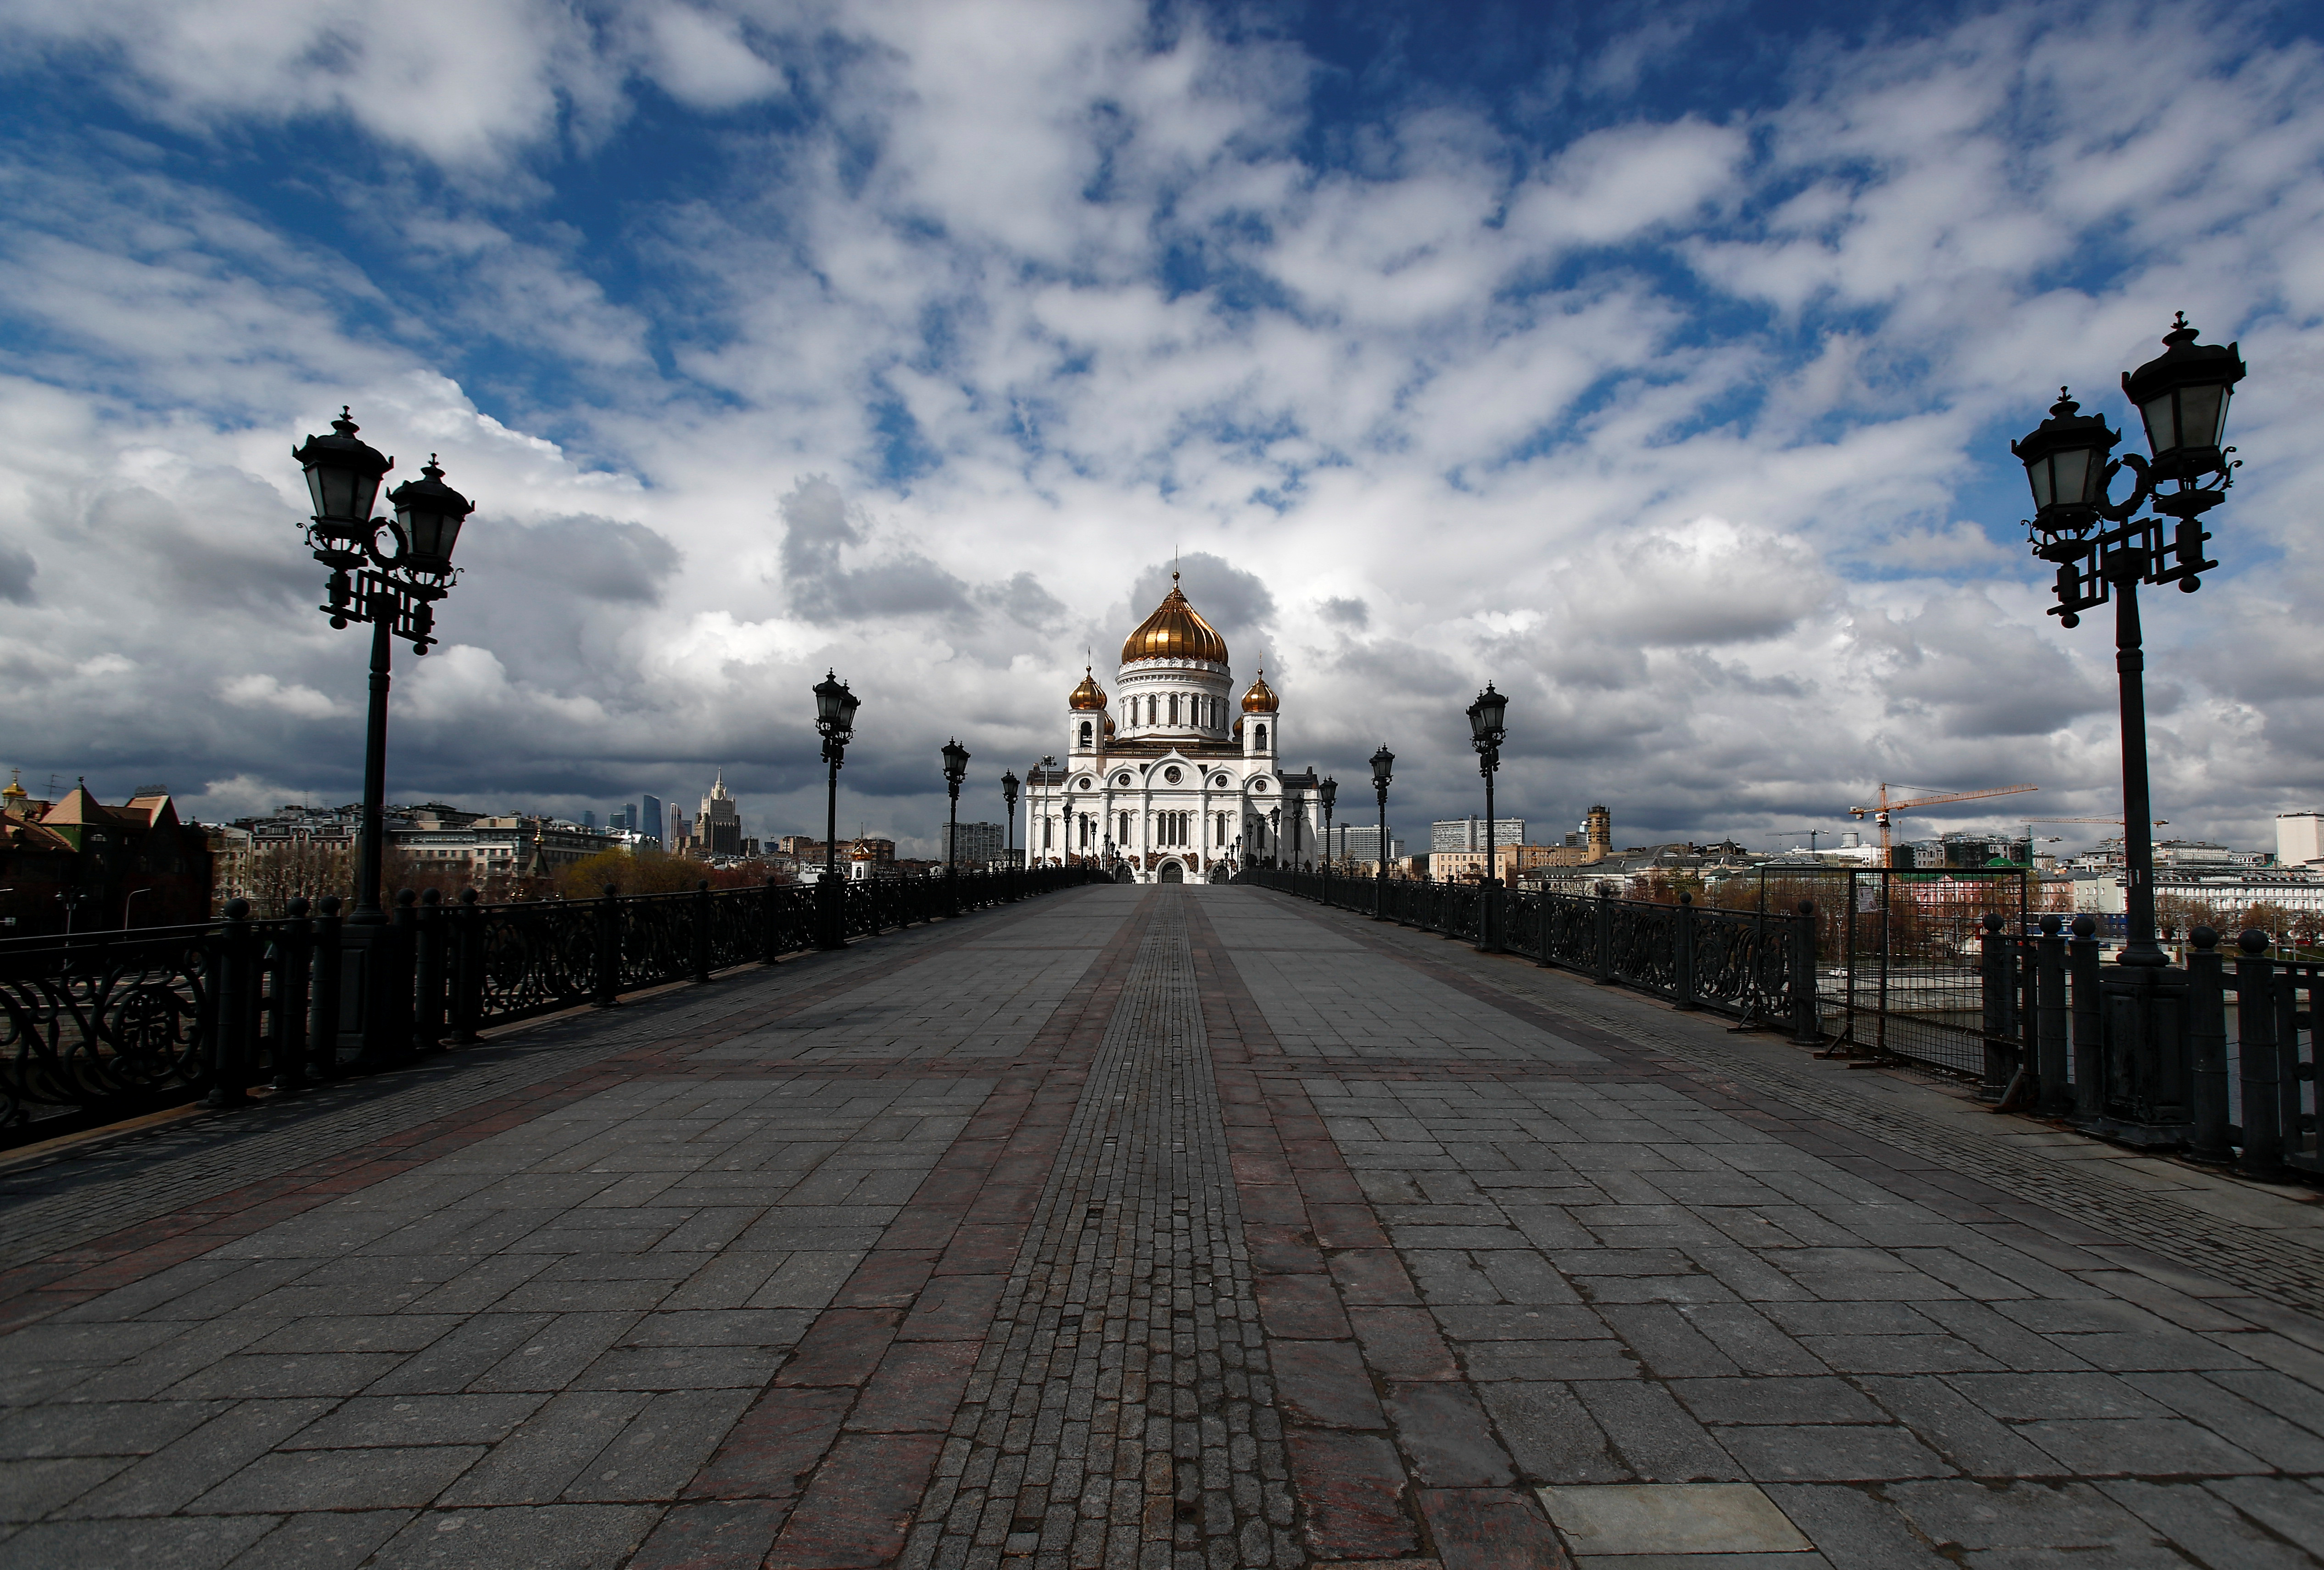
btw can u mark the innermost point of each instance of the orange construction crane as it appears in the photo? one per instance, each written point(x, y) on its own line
point(1881, 809)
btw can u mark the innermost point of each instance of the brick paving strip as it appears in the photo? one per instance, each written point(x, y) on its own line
point(1121, 1412)
point(1376, 1401)
point(827, 1467)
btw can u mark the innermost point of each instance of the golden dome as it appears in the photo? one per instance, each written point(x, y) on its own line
point(1109, 725)
point(1260, 698)
point(1175, 631)
point(1089, 695)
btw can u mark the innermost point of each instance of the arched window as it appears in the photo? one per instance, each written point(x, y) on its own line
point(1086, 732)
point(1258, 737)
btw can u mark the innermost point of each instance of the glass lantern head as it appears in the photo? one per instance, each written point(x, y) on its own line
point(2181, 396)
point(835, 706)
point(2066, 457)
point(427, 518)
point(1485, 717)
point(343, 478)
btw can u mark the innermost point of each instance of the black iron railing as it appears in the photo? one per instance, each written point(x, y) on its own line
point(1758, 967)
point(2237, 1079)
point(99, 1026)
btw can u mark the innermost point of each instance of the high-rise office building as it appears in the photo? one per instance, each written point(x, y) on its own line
point(980, 845)
point(1360, 841)
point(650, 821)
point(719, 828)
point(1468, 834)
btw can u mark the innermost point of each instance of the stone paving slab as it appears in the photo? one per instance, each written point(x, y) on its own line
point(1157, 1227)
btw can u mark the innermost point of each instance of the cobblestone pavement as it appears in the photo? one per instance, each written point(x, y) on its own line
point(1153, 1227)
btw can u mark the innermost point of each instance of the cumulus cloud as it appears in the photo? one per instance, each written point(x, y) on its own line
point(917, 341)
point(260, 690)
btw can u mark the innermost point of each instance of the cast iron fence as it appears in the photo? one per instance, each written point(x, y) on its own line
point(1758, 967)
point(2190, 1057)
point(99, 1026)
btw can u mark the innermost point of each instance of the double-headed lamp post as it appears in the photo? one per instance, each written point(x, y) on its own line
point(1383, 776)
point(395, 592)
point(834, 718)
point(1486, 733)
point(1009, 799)
point(2104, 551)
point(955, 769)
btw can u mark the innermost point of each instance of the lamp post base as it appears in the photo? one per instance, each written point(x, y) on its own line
point(2144, 1072)
point(375, 995)
point(831, 913)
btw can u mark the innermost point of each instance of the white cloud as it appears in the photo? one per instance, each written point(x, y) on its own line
point(259, 690)
point(1683, 425)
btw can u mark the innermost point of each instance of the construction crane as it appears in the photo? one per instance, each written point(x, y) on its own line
point(1880, 811)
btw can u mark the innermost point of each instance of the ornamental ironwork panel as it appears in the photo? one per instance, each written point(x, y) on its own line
point(1743, 963)
point(538, 956)
point(1572, 936)
point(656, 939)
point(1520, 922)
point(1645, 945)
point(106, 1018)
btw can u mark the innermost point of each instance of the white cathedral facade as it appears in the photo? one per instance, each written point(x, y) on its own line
point(1185, 788)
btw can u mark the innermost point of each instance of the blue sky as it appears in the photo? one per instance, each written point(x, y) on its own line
point(1658, 362)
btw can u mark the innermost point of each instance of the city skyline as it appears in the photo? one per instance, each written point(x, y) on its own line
point(1659, 368)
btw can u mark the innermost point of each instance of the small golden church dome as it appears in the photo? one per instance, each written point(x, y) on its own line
point(1260, 698)
point(1089, 695)
point(1175, 631)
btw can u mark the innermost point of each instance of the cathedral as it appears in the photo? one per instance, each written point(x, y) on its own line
point(1186, 788)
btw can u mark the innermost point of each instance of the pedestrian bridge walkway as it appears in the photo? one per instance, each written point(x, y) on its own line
point(1166, 1226)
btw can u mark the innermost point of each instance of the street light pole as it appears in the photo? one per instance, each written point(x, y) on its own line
point(396, 592)
point(1326, 792)
point(1008, 839)
point(2182, 397)
point(2103, 549)
point(1486, 733)
point(955, 769)
point(834, 718)
point(1383, 775)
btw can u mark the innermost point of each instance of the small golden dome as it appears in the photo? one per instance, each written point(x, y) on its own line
point(1175, 631)
point(1260, 698)
point(1109, 725)
point(1089, 695)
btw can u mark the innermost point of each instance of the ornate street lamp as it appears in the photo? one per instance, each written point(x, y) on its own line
point(1008, 841)
point(1486, 733)
point(1383, 776)
point(396, 592)
point(1325, 792)
point(2103, 549)
point(1294, 807)
point(834, 718)
point(955, 769)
